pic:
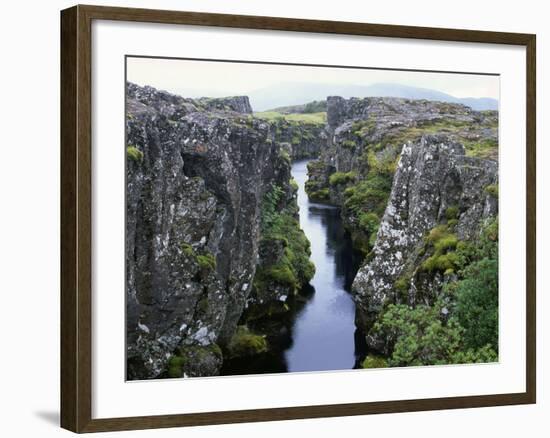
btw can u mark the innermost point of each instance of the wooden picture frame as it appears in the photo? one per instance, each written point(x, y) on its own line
point(76, 217)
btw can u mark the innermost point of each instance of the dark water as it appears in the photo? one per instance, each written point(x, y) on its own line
point(323, 333)
point(319, 332)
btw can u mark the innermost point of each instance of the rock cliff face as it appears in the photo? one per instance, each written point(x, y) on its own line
point(365, 137)
point(303, 140)
point(414, 179)
point(193, 225)
point(436, 187)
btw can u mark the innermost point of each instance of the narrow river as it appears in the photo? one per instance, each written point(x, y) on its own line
point(319, 332)
point(323, 334)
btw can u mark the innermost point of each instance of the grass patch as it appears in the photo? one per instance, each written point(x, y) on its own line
point(319, 118)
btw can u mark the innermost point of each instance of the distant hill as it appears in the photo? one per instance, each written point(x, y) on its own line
point(297, 93)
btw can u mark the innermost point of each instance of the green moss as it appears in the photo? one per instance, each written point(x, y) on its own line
point(342, 178)
point(188, 250)
point(440, 262)
point(349, 144)
point(363, 128)
point(207, 262)
point(134, 154)
point(245, 343)
point(444, 243)
point(452, 212)
point(175, 366)
point(374, 362)
point(294, 184)
point(492, 190)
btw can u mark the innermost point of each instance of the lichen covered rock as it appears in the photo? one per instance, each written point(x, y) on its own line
point(197, 174)
point(439, 197)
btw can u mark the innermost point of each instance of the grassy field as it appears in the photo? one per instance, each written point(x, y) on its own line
point(317, 118)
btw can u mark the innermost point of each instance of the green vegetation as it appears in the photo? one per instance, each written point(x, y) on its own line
point(444, 242)
point(477, 303)
point(367, 198)
point(283, 153)
point(349, 144)
point(134, 154)
point(246, 343)
point(363, 128)
point(462, 325)
point(188, 250)
point(487, 148)
point(321, 195)
point(192, 354)
point(175, 366)
point(294, 268)
point(452, 212)
point(338, 178)
point(492, 189)
point(294, 184)
point(374, 362)
point(318, 118)
point(207, 262)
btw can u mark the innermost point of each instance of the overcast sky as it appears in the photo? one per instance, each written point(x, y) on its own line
point(215, 79)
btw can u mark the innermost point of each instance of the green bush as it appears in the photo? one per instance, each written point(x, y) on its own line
point(342, 178)
point(419, 336)
point(477, 303)
point(134, 154)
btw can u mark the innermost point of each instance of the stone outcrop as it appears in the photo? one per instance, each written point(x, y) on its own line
point(435, 184)
point(365, 138)
point(197, 173)
point(302, 139)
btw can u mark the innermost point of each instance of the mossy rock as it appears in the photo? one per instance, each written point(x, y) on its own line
point(245, 343)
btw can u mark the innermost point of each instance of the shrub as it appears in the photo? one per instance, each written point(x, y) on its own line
point(419, 337)
point(134, 154)
point(342, 178)
point(477, 303)
point(246, 343)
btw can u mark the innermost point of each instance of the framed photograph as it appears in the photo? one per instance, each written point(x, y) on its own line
point(269, 218)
